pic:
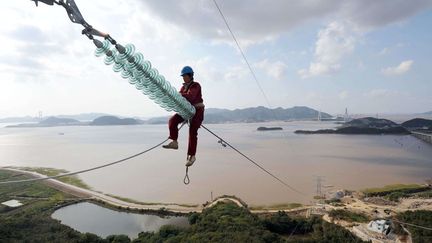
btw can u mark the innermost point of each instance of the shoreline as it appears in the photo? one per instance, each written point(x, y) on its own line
point(367, 204)
point(174, 209)
point(126, 205)
point(106, 199)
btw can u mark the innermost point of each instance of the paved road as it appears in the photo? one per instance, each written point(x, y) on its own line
point(85, 193)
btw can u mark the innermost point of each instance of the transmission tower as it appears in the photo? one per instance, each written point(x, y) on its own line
point(40, 115)
point(319, 180)
point(346, 116)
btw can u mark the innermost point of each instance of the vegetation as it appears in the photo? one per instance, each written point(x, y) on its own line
point(371, 122)
point(422, 218)
point(366, 125)
point(395, 196)
point(389, 189)
point(335, 202)
point(279, 206)
point(226, 222)
point(425, 194)
point(235, 198)
point(349, 216)
point(71, 180)
point(32, 222)
point(357, 130)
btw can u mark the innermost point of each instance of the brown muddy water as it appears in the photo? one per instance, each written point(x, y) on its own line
point(344, 161)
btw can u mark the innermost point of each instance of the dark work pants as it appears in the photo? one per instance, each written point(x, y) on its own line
point(195, 124)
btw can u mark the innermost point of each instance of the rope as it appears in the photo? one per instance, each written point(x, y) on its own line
point(186, 179)
point(223, 141)
point(90, 169)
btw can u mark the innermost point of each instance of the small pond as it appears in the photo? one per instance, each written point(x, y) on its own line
point(89, 217)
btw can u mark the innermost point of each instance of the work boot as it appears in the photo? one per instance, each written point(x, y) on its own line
point(171, 145)
point(190, 160)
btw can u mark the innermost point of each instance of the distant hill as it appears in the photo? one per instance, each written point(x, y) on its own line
point(100, 121)
point(418, 123)
point(51, 122)
point(253, 114)
point(427, 113)
point(84, 116)
point(370, 122)
point(366, 125)
point(79, 117)
point(112, 120)
point(55, 121)
point(261, 114)
point(358, 130)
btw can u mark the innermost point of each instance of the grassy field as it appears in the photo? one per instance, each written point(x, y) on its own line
point(406, 188)
point(72, 180)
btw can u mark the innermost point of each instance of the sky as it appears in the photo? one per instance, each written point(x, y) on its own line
point(370, 56)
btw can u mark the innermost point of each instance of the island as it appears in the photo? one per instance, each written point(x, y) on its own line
point(366, 125)
point(269, 128)
point(418, 123)
point(112, 120)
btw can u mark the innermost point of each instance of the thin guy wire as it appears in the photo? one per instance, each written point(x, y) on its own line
point(252, 161)
point(242, 53)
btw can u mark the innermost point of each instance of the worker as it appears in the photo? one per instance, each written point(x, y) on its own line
point(191, 90)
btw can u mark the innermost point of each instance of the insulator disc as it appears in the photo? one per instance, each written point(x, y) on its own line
point(105, 47)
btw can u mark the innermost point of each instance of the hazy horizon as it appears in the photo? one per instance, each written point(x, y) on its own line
point(169, 114)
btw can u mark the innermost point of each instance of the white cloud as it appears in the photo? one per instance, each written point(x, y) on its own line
point(45, 55)
point(255, 21)
point(275, 69)
point(334, 42)
point(402, 68)
point(60, 66)
point(369, 14)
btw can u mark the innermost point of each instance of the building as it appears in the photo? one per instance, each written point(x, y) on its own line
point(12, 203)
point(381, 226)
point(337, 195)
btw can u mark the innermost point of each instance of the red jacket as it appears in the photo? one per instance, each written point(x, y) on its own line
point(192, 92)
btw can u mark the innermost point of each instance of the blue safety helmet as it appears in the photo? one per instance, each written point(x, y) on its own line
point(186, 70)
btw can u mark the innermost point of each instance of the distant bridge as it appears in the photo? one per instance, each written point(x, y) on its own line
point(423, 135)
